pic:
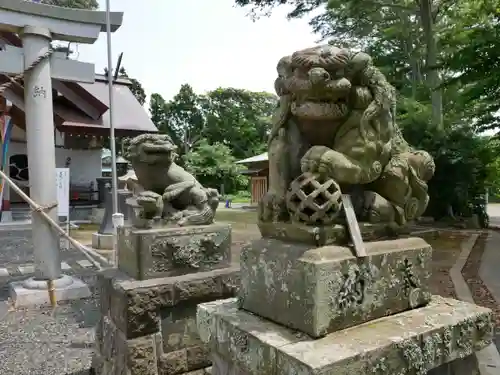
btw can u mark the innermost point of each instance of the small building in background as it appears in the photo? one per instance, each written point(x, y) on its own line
point(258, 171)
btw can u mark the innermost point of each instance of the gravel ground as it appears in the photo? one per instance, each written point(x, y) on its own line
point(481, 294)
point(43, 341)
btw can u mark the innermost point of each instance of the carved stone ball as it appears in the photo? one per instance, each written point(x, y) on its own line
point(313, 200)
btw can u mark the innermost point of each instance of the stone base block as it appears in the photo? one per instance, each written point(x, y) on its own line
point(173, 251)
point(32, 292)
point(149, 327)
point(97, 215)
point(6, 217)
point(102, 241)
point(411, 342)
point(321, 290)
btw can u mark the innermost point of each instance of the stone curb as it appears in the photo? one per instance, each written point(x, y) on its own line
point(489, 357)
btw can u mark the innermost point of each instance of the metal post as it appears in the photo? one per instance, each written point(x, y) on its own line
point(41, 150)
point(117, 216)
point(112, 140)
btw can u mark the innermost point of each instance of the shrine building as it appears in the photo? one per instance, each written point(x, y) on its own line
point(81, 129)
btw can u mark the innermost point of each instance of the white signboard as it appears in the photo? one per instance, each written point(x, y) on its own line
point(62, 181)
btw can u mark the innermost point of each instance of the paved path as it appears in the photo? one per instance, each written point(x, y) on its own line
point(494, 213)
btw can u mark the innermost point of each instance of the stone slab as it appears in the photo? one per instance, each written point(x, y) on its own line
point(325, 235)
point(155, 317)
point(411, 342)
point(173, 251)
point(23, 297)
point(102, 241)
point(320, 290)
point(136, 306)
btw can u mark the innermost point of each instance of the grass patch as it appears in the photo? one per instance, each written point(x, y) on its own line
point(446, 242)
point(240, 197)
point(239, 219)
point(85, 227)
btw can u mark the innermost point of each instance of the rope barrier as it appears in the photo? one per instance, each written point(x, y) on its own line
point(90, 254)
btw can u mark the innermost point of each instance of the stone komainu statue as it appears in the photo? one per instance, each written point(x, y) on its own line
point(167, 193)
point(334, 131)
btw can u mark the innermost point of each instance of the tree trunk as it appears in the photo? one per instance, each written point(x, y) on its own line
point(433, 78)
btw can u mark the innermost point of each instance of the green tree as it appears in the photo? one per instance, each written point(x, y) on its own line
point(236, 118)
point(183, 117)
point(77, 4)
point(214, 165)
point(476, 64)
point(240, 119)
point(405, 35)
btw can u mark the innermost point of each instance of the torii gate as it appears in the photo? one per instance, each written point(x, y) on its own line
point(46, 23)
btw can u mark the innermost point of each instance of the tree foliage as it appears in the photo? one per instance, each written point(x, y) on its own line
point(77, 4)
point(214, 165)
point(239, 119)
point(442, 56)
point(236, 118)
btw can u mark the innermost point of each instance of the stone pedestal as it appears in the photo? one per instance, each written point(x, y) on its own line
point(325, 289)
point(148, 305)
point(412, 342)
point(320, 310)
point(149, 327)
point(172, 251)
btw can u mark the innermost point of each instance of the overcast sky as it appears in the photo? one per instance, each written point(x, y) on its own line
point(204, 43)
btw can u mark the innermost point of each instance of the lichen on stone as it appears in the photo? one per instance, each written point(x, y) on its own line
point(421, 260)
point(447, 342)
point(197, 251)
point(380, 367)
point(239, 341)
point(356, 281)
point(431, 349)
point(413, 356)
point(484, 330)
point(464, 337)
point(410, 280)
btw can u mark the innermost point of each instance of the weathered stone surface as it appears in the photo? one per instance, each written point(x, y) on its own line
point(164, 191)
point(173, 363)
point(320, 290)
point(325, 235)
point(178, 326)
point(148, 327)
point(173, 251)
point(135, 306)
point(411, 342)
point(116, 354)
point(334, 131)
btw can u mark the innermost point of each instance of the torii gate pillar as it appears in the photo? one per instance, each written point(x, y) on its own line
point(48, 22)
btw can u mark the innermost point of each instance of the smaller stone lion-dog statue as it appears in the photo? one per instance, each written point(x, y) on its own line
point(167, 193)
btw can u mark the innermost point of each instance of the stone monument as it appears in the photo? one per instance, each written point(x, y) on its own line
point(309, 302)
point(38, 65)
point(171, 257)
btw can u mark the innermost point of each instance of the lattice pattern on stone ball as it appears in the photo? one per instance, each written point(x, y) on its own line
point(313, 201)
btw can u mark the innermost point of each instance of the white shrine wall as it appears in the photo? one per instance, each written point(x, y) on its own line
point(85, 165)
